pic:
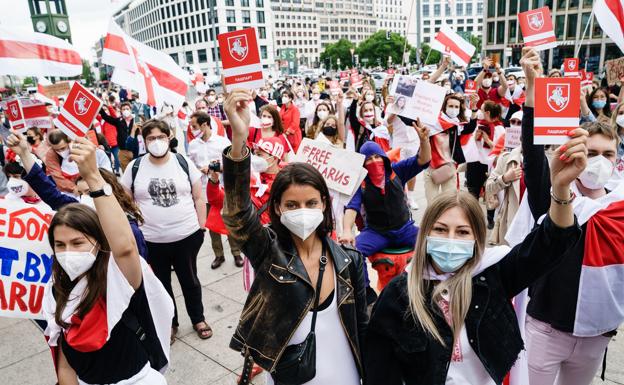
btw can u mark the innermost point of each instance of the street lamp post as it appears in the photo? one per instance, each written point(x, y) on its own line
point(338, 63)
point(352, 50)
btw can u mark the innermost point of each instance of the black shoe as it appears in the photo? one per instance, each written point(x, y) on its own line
point(218, 261)
point(238, 261)
point(490, 224)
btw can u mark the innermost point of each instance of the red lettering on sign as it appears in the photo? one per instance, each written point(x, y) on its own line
point(18, 291)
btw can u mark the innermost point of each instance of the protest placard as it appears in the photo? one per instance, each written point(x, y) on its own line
point(344, 76)
point(356, 80)
point(557, 109)
point(78, 112)
point(56, 90)
point(512, 136)
point(615, 70)
point(340, 168)
point(415, 99)
point(15, 115)
point(571, 67)
point(334, 87)
point(470, 87)
point(537, 29)
point(36, 113)
point(25, 258)
point(240, 56)
point(587, 78)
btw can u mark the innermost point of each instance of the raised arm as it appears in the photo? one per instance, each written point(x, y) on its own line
point(107, 118)
point(341, 117)
point(487, 62)
point(112, 217)
point(446, 60)
point(502, 88)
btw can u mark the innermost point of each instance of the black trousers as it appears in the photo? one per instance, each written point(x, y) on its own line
point(182, 255)
point(476, 175)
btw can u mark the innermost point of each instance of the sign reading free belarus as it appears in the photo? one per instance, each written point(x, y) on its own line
point(78, 112)
point(241, 59)
point(340, 168)
point(25, 258)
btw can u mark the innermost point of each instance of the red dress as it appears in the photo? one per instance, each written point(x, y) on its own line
point(290, 119)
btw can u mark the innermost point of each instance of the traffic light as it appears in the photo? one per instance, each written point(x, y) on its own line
point(387, 35)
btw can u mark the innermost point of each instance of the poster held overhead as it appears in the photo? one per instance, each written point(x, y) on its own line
point(240, 56)
point(571, 67)
point(557, 109)
point(537, 29)
point(16, 115)
point(78, 112)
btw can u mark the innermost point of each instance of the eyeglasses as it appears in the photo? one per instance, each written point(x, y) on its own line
point(153, 138)
point(515, 122)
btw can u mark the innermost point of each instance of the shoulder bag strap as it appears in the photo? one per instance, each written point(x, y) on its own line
point(319, 283)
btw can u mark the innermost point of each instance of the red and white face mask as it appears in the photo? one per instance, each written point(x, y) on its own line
point(377, 173)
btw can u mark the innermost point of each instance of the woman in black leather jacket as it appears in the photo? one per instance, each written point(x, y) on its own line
point(287, 259)
point(450, 320)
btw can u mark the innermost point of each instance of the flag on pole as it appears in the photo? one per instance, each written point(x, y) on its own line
point(153, 74)
point(450, 43)
point(32, 54)
point(610, 16)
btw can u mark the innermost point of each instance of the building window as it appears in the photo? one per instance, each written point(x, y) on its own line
point(468, 9)
point(425, 10)
point(491, 8)
point(500, 32)
point(479, 9)
point(262, 32)
point(573, 4)
point(189, 57)
point(229, 3)
point(174, 56)
point(202, 57)
point(559, 26)
point(513, 7)
point(436, 10)
point(490, 33)
point(501, 7)
point(572, 21)
point(260, 16)
point(512, 31)
point(596, 30)
point(230, 16)
point(244, 3)
point(263, 52)
point(231, 28)
point(460, 9)
point(246, 16)
point(260, 3)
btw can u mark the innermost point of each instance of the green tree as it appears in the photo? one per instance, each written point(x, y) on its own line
point(476, 41)
point(28, 82)
point(430, 56)
point(338, 50)
point(87, 74)
point(377, 48)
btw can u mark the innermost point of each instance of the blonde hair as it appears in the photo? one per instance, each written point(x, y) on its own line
point(459, 286)
point(335, 140)
point(614, 115)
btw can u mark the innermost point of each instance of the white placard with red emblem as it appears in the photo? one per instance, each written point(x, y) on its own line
point(78, 112)
point(15, 115)
point(341, 169)
point(557, 108)
point(240, 56)
point(470, 87)
point(587, 79)
point(537, 29)
point(571, 67)
point(344, 76)
point(356, 80)
point(334, 87)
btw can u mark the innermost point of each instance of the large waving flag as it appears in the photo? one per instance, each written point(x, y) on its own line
point(32, 54)
point(450, 43)
point(610, 15)
point(154, 74)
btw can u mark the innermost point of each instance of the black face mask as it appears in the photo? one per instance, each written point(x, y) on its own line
point(30, 140)
point(329, 130)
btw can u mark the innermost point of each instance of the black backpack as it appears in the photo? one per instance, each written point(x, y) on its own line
point(179, 157)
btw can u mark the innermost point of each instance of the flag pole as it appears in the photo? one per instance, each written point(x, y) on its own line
point(578, 48)
point(407, 33)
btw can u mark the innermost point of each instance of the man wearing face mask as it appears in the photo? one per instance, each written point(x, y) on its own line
point(18, 188)
point(574, 310)
point(486, 89)
point(514, 98)
point(382, 198)
point(123, 124)
point(214, 108)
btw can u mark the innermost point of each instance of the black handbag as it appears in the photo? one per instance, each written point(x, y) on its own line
point(298, 362)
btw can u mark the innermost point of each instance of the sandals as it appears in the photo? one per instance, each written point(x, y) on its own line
point(203, 332)
point(174, 333)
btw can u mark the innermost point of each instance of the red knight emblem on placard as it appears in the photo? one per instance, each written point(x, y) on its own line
point(14, 112)
point(536, 21)
point(238, 47)
point(82, 103)
point(558, 96)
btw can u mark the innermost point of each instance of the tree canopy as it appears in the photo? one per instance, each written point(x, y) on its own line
point(338, 50)
point(378, 47)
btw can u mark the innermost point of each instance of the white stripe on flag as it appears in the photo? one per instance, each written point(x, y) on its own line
point(556, 122)
point(74, 121)
point(242, 70)
point(539, 36)
point(609, 23)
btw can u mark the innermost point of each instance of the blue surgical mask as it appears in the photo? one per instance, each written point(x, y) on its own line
point(599, 104)
point(449, 254)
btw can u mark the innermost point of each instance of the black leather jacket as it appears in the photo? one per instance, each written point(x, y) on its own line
point(282, 294)
point(399, 351)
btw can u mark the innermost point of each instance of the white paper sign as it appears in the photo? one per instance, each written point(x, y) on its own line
point(340, 168)
point(512, 137)
point(417, 99)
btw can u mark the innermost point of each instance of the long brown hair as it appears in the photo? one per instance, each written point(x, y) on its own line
point(278, 127)
point(459, 286)
point(314, 127)
point(462, 108)
point(84, 219)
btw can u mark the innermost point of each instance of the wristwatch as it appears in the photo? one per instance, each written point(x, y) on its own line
point(106, 190)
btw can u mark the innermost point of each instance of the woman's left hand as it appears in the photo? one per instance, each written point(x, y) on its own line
point(83, 153)
point(569, 160)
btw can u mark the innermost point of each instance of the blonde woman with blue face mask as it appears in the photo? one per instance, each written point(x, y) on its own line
point(449, 320)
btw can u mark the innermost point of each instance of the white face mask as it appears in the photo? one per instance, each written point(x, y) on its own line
point(370, 98)
point(196, 133)
point(515, 126)
point(158, 148)
point(211, 98)
point(480, 115)
point(285, 99)
point(511, 83)
point(86, 200)
point(17, 187)
point(259, 164)
point(63, 154)
point(302, 222)
point(487, 83)
point(126, 113)
point(316, 96)
point(76, 263)
point(597, 173)
point(452, 112)
point(322, 115)
point(267, 122)
point(299, 94)
point(620, 120)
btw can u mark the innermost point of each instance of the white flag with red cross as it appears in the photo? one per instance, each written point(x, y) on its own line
point(153, 74)
point(450, 43)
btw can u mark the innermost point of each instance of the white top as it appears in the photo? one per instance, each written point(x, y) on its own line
point(470, 370)
point(332, 347)
point(403, 135)
point(202, 153)
point(163, 193)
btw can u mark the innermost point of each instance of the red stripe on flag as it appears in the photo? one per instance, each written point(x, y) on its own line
point(616, 8)
point(116, 43)
point(166, 80)
point(447, 42)
point(23, 50)
point(248, 77)
point(35, 111)
point(71, 126)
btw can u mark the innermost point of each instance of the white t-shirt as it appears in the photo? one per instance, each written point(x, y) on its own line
point(470, 370)
point(202, 153)
point(163, 193)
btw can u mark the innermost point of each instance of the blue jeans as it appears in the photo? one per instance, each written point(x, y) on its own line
point(115, 152)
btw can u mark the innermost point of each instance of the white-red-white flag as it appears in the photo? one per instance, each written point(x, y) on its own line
point(450, 43)
point(32, 54)
point(153, 74)
point(610, 16)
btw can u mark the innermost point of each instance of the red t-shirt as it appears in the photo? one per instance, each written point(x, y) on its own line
point(492, 95)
